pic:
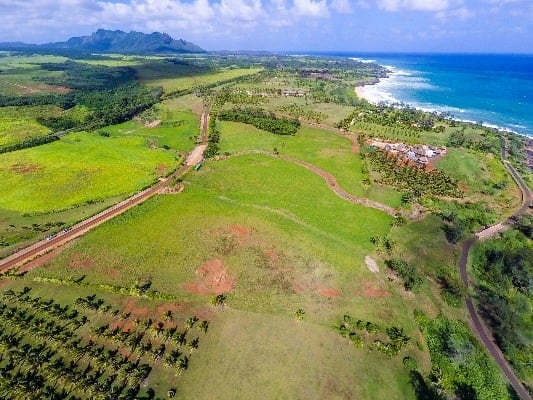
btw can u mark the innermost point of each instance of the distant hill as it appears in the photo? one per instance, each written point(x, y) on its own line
point(105, 41)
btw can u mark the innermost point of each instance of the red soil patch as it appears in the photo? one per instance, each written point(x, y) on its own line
point(131, 306)
point(128, 326)
point(174, 307)
point(298, 289)
point(272, 255)
point(113, 273)
point(78, 261)
point(241, 231)
point(161, 169)
point(213, 279)
point(205, 313)
point(329, 292)
point(20, 168)
point(371, 291)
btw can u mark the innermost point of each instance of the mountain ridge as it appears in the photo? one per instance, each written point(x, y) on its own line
point(117, 41)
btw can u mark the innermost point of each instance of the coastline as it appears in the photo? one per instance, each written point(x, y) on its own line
point(376, 97)
point(360, 92)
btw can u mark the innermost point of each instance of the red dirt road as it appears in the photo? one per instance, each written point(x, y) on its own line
point(44, 246)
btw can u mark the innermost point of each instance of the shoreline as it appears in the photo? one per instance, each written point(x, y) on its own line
point(360, 92)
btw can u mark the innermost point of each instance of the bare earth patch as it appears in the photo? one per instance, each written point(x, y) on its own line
point(371, 291)
point(78, 261)
point(153, 124)
point(131, 306)
point(20, 168)
point(272, 255)
point(371, 264)
point(241, 231)
point(212, 279)
point(113, 273)
point(161, 169)
point(329, 292)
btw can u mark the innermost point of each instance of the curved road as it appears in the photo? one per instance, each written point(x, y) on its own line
point(477, 326)
point(44, 246)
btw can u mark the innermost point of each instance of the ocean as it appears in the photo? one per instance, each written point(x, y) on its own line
point(496, 90)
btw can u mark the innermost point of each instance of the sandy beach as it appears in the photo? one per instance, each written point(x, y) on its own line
point(360, 92)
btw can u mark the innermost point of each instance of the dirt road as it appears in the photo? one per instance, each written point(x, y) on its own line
point(476, 324)
point(44, 246)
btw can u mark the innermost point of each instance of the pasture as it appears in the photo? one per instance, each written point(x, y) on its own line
point(167, 127)
point(325, 149)
point(277, 239)
point(19, 123)
point(79, 168)
point(183, 77)
point(19, 75)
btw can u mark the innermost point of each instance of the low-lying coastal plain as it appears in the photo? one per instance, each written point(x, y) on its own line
point(306, 256)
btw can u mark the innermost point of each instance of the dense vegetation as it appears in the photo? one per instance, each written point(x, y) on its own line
point(396, 116)
point(459, 365)
point(109, 94)
point(415, 181)
point(504, 268)
point(261, 120)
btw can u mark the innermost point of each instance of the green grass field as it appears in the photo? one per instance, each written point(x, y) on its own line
point(483, 178)
point(325, 149)
point(18, 74)
point(19, 123)
point(284, 239)
point(267, 232)
point(179, 77)
point(80, 167)
point(176, 130)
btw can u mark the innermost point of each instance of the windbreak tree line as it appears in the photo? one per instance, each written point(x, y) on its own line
point(261, 119)
point(110, 94)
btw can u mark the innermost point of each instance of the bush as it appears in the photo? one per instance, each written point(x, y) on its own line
point(411, 279)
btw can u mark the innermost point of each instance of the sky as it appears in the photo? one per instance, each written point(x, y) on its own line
point(437, 26)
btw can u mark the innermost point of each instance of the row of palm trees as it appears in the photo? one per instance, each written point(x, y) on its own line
point(411, 178)
point(43, 355)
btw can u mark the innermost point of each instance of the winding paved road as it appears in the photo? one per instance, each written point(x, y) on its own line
point(44, 246)
point(477, 325)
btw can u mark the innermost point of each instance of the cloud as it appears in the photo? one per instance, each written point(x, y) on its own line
point(240, 10)
point(311, 8)
point(413, 5)
point(461, 13)
point(342, 6)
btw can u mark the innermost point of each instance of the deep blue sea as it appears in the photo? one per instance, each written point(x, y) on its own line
point(494, 89)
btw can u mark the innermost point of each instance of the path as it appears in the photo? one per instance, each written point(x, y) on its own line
point(44, 246)
point(477, 325)
point(330, 180)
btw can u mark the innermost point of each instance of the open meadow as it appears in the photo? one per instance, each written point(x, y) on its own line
point(325, 149)
point(79, 168)
point(294, 262)
point(20, 123)
point(236, 225)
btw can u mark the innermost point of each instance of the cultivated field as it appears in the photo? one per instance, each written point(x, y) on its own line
point(79, 168)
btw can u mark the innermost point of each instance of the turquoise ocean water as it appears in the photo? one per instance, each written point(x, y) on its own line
point(494, 89)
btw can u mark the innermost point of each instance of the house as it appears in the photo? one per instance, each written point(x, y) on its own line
point(293, 93)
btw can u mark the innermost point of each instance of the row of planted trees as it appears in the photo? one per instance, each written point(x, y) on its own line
point(46, 351)
point(412, 179)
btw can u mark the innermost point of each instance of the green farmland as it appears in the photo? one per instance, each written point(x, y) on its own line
point(299, 265)
point(79, 168)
